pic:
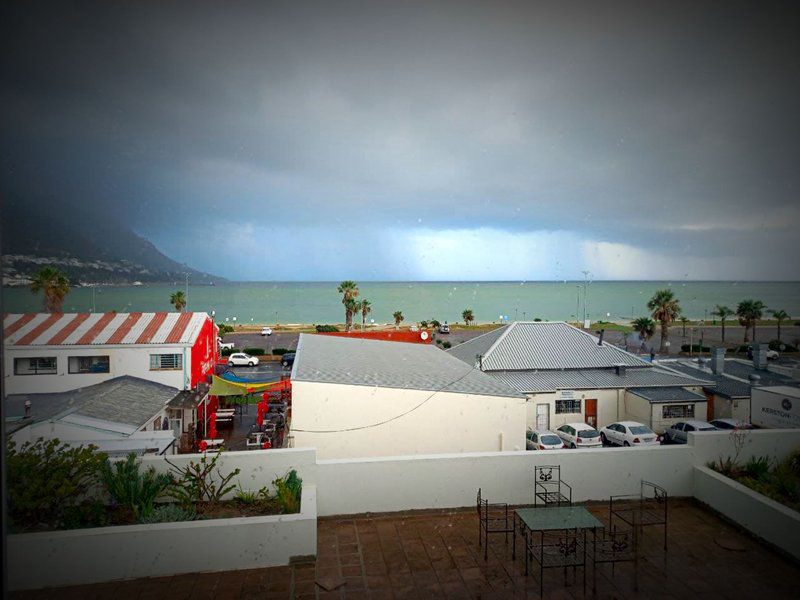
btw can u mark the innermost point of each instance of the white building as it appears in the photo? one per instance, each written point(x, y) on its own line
point(48, 353)
point(119, 416)
point(569, 375)
point(366, 398)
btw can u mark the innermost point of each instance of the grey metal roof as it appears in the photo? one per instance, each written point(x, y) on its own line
point(667, 394)
point(525, 345)
point(354, 361)
point(467, 351)
point(552, 380)
point(743, 370)
point(126, 400)
point(723, 385)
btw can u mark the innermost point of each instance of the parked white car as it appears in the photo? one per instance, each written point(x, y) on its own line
point(542, 439)
point(579, 435)
point(240, 359)
point(629, 433)
point(679, 432)
point(731, 424)
point(266, 331)
point(225, 346)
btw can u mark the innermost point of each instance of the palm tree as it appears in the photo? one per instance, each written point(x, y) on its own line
point(666, 308)
point(178, 300)
point(467, 316)
point(749, 311)
point(780, 315)
point(55, 286)
point(366, 308)
point(645, 326)
point(349, 291)
point(723, 312)
point(398, 318)
point(684, 321)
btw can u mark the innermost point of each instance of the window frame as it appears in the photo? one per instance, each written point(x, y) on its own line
point(107, 358)
point(35, 371)
point(178, 362)
point(569, 403)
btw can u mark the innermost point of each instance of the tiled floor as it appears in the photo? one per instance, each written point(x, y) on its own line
point(437, 556)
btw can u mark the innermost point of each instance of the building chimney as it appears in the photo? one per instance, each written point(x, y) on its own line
point(754, 379)
point(600, 341)
point(479, 361)
point(760, 356)
point(718, 361)
point(620, 370)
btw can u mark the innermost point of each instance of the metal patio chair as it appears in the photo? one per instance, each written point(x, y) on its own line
point(645, 509)
point(615, 546)
point(494, 518)
point(548, 487)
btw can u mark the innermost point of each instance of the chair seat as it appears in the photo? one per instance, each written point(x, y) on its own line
point(563, 554)
point(552, 497)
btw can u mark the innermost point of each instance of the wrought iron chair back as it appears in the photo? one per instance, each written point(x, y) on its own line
point(494, 518)
point(548, 487)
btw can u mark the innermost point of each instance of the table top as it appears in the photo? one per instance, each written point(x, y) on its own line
point(559, 517)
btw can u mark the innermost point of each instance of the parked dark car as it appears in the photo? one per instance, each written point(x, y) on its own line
point(288, 359)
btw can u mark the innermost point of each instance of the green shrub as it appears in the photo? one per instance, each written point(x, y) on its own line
point(224, 328)
point(423, 324)
point(49, 483)
point(229, 351)
point(199, 482)
point(168, 513)
point(758, 468)
point(434, 323)
point(439, 342)
point(137, 491)
point(780, 346)
point(246, 497)
point(695, 348)
point(288, 490)
point(446, 345)
point(254, 351)
point(326, 328)
point(537, 320)
point(280, 351)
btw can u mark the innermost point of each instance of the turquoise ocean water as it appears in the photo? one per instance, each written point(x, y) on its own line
point(318, 302)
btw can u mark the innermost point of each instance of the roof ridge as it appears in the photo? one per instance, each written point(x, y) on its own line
point(499, 339)
point(477, 337)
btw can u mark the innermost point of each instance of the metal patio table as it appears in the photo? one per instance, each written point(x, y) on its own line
point(569, 550)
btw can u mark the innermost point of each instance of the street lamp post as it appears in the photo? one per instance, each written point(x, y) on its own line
point(585, 293)
point(186, 294)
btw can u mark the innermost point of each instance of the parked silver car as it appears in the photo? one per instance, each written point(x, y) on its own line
point(629, 433)
point(542, 439)
point(679, 432)
point(731, 424)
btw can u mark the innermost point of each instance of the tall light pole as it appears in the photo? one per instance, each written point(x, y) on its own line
point(186, 294)
point(578, 302)
point(585, 293)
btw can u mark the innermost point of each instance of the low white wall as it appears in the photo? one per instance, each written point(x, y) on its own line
point(448, 481)
point(769, 520)
point(775, 443)
point(81, 556)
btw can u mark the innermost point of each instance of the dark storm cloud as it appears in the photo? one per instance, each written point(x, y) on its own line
point(667, 132)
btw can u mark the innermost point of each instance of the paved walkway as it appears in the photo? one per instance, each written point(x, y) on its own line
point(437, 556)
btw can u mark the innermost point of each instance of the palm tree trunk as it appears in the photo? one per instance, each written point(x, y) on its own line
point(664, 337)
point(779, 330)
point(754, 331)
point(746, 329)
point(723, 331)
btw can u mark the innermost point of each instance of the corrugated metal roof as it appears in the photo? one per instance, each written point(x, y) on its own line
point(353, 361)
point(44, 329)
point(544, 345)
point(734, 382)
point(584, 379)
point(478, 345)
point(124, 400)
point(667, 394)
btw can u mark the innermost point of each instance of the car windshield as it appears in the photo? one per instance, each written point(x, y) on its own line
point(550, 439)
point(707, 428)
point(588, 433)
point(640, 430)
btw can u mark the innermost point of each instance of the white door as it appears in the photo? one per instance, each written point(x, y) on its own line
point(542, 416)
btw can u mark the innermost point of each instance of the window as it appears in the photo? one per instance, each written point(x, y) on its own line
point(35, 365)
point(568, 406)
point(89, 364)
point(677, 411)
point(159, 362)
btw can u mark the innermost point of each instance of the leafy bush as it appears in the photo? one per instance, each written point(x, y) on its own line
point(780, 346)
point(246, 497)
point(288, 490)
point(168, 513)
point(280, 351)
point(439, 342)
point(695, 348)
point(537, 320)
point(327, 328)
point(132, 489)
point(229, 351)
point(435, 323)
point(196, 482)
point(254, 351)
point(423, 324)
point(49, 483)
point(224, 328)
point(758, 468)
point(446, 345)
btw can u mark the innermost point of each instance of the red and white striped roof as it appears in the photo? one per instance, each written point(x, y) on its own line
point(98, 329)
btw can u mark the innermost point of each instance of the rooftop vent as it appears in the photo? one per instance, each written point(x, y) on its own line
point(718, 361)
point(600, 341)
point(754, 379)
point(760, 356)
point(620, 370)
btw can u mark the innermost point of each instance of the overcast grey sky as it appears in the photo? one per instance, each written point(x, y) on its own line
point(431, 140)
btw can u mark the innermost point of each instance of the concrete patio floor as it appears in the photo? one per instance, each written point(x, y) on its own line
point(436, 555)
